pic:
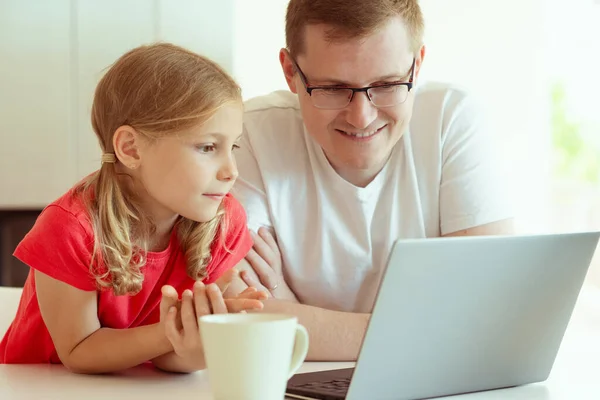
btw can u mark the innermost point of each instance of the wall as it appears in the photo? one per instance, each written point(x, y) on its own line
point(257, 44)
point(53, 54)
point(498, 51)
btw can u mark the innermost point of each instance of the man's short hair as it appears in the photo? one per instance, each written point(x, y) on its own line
point(350, 19)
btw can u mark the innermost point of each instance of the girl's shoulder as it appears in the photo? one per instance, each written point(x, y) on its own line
point(60, 243)
point(235, 243)
point(234, 211)
point(71, 208)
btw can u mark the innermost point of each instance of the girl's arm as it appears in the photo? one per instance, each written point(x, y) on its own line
point(83, 346)
point(171, 362)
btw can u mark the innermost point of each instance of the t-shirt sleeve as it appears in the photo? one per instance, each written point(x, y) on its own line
point(236, 244)
point(59, 246)
point(474, 187)
point(249, 187)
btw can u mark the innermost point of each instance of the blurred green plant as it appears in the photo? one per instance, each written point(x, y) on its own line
point(573, 157)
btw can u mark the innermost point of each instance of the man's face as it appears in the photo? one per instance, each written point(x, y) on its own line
point(357, 139)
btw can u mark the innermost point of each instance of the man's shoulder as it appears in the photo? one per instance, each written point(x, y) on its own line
point(273, 120)
point(439, 94)
point(278, 100)
point(437, 104)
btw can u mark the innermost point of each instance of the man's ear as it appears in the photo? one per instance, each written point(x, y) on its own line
point(127, 145)
point(289, 71)
point(419, 61)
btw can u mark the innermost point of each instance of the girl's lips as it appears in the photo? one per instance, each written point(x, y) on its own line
point(215, 196)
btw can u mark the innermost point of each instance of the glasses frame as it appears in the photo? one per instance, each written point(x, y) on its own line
point(366, 89)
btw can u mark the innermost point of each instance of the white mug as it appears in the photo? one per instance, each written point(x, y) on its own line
point(252, 356)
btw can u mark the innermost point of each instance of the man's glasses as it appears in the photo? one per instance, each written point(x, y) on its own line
point(336, 98)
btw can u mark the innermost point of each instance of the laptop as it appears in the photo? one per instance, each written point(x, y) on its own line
point(460, 315)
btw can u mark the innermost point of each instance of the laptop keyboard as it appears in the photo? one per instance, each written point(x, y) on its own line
point(335, 386)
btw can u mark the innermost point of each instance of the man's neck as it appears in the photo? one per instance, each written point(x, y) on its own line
point(359, 177)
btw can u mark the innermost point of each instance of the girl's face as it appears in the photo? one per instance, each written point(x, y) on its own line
point(189, 174)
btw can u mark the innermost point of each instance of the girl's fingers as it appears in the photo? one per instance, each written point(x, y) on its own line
point(201, 301)
point(255, 294)
point(239, 305)
point(188, 314)
point(249, 290)
point(168, 300)
point(225, 280)
point(171, 330)
point(169, 291)
point(216, 299)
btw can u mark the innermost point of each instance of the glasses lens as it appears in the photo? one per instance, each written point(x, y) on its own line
point(331, 99)
point(386, 96)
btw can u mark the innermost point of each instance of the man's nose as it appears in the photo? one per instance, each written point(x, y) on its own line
point(361, 112)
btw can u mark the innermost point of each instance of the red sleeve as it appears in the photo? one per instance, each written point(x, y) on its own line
point(236, 244)
point(59, 246)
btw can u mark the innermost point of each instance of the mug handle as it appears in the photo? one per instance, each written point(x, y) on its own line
point(300, 349)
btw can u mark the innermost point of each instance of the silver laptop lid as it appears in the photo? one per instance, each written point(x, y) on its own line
point(457, 315)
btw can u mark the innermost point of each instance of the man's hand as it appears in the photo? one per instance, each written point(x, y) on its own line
point(265, 260)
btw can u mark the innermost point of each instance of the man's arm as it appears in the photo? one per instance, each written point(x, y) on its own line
point(503, 227)
point(476, 196)
point(333, 335)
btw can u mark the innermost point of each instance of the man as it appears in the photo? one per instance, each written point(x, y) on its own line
point(356, 155)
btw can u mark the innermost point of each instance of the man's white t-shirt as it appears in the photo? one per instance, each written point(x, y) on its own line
point(335, 238)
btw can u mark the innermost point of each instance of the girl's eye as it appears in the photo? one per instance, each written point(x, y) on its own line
point(207, 148)
point(236, 146)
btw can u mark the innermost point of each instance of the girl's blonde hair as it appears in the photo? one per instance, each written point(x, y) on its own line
point(158, 90)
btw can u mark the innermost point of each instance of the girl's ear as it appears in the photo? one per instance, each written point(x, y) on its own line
point(127, 145)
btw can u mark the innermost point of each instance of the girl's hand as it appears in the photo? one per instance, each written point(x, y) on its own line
point(249, 299)
point(185, 338)
point(169, 299)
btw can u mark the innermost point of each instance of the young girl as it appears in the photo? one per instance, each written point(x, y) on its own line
point(110, 257)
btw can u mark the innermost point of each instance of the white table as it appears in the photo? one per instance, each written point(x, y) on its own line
point(576, 374)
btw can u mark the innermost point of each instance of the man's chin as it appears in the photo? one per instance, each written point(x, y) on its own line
point(367, 162)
